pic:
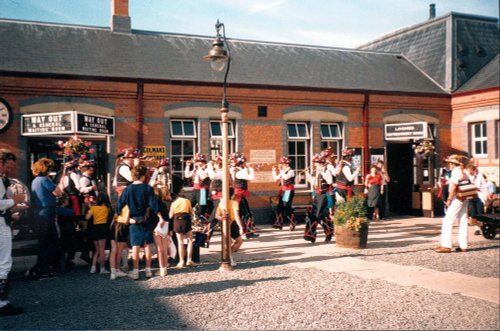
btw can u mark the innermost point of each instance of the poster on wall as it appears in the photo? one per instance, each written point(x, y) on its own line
point(357, 161)
point(377, 154)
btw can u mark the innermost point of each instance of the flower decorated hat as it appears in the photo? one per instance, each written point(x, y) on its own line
point(285, 160)
point(348, 151)
point(318, 158)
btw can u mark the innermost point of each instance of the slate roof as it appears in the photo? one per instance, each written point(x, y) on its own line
point(450, 49)
point(41, 48)
point(487, 77)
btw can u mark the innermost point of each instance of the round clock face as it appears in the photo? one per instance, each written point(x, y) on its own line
point(5, 115)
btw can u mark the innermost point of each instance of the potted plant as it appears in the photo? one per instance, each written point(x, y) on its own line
point(351, 223)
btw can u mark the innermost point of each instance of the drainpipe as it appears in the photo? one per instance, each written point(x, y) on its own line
point(366, 144)
point(139, 115)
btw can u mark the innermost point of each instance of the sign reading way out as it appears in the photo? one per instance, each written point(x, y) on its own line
point(67, 122)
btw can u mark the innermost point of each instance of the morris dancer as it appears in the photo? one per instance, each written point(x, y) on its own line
point(321, 180)
point(70, 184)
point(285, 176)
point(216, 175)
point(334, 167)
point(241, 173)
point(201, 183)
point(345, 178)
point(123, 176)
point(88, 189)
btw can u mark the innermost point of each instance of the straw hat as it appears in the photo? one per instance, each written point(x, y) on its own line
point(456, 159)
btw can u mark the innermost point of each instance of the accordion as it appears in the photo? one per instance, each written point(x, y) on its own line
point(466, 190)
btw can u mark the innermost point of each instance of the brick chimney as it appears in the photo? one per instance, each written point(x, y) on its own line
point(120, 21)
point(432, 11)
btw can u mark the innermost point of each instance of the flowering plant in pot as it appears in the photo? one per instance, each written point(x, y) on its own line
point(351, 214)
point(351, 223)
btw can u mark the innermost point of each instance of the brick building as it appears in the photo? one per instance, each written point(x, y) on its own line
point(437, 80)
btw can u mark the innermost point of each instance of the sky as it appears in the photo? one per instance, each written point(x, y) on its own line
point(333, 23)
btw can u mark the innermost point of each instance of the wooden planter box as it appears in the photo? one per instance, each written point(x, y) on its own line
point(347, 238)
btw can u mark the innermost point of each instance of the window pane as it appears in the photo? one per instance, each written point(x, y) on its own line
point(335, 131)
point(189, 128)
point(477, 130)
point(483, 126)
point(176, 128)
point(325, 132)
point(188, 148)
point(291, 148)
point(301, 148)
point(478, 147)
point(292, 131)
point(216, 129)
point(230, 130)
point(485, 147)
point(302, 130)
point(176, 147)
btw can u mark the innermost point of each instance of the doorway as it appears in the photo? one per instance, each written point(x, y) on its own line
point(400, 169)
point(48, 148)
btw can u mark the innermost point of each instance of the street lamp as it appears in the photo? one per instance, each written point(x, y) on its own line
point(218, 56)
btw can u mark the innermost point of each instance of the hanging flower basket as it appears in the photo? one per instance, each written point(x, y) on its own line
point(424, 149)
point(75, 148)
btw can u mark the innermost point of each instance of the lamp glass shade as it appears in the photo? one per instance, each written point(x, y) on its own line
point(218, 65)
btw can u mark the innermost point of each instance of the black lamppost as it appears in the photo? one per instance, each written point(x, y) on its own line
point(218, 57)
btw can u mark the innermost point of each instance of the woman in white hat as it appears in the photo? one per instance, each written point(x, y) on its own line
point(456, 208)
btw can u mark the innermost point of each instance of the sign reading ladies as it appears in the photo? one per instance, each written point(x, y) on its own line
point(67, 122)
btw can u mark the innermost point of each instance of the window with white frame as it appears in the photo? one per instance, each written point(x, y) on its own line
point(331, 136)
point(479, 139)
point(298, 145)
point(216, 138)
point(183, 144)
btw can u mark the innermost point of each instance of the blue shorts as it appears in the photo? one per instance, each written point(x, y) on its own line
point(141, 234)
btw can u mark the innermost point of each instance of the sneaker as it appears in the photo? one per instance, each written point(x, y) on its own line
point(179, 265)
point(112, 276)
point(104, 271)
point(134, 275)
point(191, 264)
point(120, 273)
point(93, 269)
point(163, 272)
point(10, 310)
point(148, 272)
point(233, 263)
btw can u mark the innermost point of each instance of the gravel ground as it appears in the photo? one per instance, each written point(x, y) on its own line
point(256, 295)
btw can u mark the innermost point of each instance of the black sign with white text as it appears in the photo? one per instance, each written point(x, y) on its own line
point(67, 122)
point(93, 124)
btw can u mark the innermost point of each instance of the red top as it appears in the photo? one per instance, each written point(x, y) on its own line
point(372, 180)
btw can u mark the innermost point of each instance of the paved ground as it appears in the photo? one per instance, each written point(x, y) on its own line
point(283, 282)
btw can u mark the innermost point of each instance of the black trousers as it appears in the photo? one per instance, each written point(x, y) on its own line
point(284, 209)
point(319, 215)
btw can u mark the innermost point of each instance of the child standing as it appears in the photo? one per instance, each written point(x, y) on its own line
point(237, 228)
point(181, 211)
point(162, 233)
point(98, 216)
point(138, 197)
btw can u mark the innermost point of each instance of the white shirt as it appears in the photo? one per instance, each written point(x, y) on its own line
point(4, 203)
point(346, 169)
point(283, 174)
point(243, 173)
point(327, 176)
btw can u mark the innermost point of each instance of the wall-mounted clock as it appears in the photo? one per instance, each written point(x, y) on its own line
point(5, 115)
